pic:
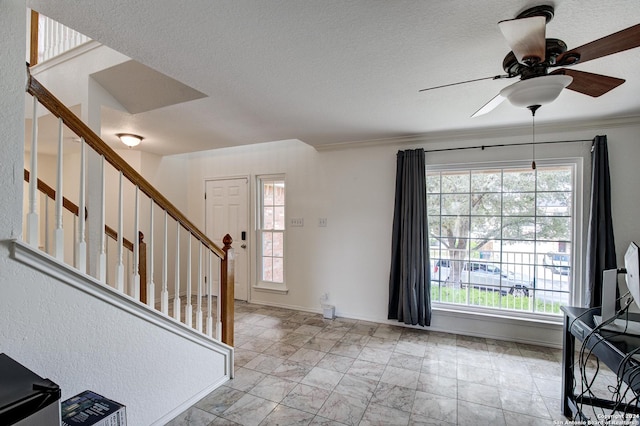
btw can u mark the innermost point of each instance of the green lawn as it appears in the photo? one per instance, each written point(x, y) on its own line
point(491, 299)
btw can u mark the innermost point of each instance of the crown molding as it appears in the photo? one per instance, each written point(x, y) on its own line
point(486, 133)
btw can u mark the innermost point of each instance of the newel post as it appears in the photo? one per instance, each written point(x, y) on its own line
point(142, 266)
point(227, 280)
point(33, 38)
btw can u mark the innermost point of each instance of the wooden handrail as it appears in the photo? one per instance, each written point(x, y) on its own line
point(58, 109)
point(111, 233)
point(71, 207)
point(51, 193)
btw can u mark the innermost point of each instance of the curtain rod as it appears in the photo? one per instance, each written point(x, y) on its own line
point(482, 147)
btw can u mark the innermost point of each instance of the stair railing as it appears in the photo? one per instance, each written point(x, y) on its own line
point(201, 285)
point(49, 38)
point(49, 196)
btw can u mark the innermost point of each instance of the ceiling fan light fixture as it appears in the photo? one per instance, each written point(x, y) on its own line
point(130, 139)
point(536, 91)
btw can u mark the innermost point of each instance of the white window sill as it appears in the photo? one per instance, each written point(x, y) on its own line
point(271, 288)
point(498, 314)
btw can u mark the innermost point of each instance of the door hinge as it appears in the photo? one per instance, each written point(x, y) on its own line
point(205, 195)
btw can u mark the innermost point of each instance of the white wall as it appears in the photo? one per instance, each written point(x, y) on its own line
point(354, 190)
point(81, 342)
point(12, 81)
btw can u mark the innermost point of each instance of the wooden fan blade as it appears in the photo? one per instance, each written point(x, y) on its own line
point(608, 45)
point(489, 106)
point(589, 83)
point(526, 37)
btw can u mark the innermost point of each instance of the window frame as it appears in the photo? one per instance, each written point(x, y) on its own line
point(578, 240)
point(262, 284)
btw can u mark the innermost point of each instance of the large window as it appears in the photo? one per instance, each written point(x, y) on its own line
point(271, 230)
point(502, 237)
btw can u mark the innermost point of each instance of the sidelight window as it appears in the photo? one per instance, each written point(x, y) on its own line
point(271, 230)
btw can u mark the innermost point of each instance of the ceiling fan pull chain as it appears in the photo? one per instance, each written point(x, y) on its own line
point(533, 157)
point(533, 109)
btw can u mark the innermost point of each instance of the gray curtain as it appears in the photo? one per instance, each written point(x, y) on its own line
point(410, 279)
point(601, 249)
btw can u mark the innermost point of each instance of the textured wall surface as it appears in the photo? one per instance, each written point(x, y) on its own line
point(81, 342)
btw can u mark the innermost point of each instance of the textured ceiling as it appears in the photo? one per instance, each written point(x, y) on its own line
point(328, 72)
point(139, 88)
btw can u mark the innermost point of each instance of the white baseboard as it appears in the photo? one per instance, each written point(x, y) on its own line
point(540, 333)
point(189, 402)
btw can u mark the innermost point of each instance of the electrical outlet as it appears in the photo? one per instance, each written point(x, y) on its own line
point(322, 222)
point(296, 221)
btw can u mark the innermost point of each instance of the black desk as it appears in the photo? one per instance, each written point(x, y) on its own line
point(609, 347)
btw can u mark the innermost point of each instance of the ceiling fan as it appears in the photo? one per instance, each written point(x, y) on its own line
point(540, 62)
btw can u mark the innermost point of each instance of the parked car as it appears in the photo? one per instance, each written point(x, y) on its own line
point(488, 276)
point(441, 269)
point(558, 263)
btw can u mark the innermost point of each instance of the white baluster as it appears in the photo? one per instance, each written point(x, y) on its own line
point(58, 237)
point(41, 37)
point(67, 39)
point(32, 216)
point(102, 256)
point(188, 309)
point(75, 237)
point(52, 39)
point(136, 247)
point(164, 295)
point(46, 223)
point(176, 295)
point(46, 36)
point(58, 38)
point(151, 286)
point(128, 271)
point(107, 250)
point(81, 260)
point(199, 301)
point(209, 286)
point(120, 264)
point(77, 39)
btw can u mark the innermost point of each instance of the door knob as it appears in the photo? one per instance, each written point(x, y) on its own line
point(243, 246)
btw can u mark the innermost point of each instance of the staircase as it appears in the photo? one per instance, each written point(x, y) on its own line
point(111, 288)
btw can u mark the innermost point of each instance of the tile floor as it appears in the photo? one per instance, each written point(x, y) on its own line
point(296, 368)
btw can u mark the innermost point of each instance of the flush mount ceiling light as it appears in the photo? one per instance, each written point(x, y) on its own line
point(130, 139)
point(536, 91)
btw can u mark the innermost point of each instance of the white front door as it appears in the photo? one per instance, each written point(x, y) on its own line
point(226, 210)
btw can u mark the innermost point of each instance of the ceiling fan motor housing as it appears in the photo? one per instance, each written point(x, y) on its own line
point(554, 48)
point(543, 10)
